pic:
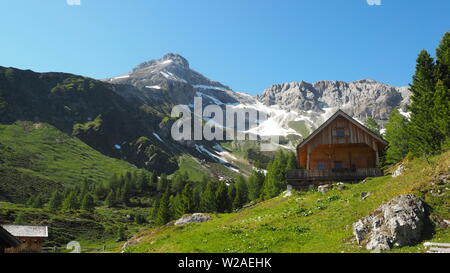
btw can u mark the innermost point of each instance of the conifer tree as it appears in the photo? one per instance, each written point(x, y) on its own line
point(110, 199)
point(275, 182)
point(71, 202)
point(443, 60)
point(84, 187)
point(163, 215)
point(231, 196)
point(153, 182)
point(255, 184)
point(372, 125)
point(441, 111)
point(222, 202)
point(178, 182)
point(199, 187)
point(163, 183)
point(187, 199)
point(397, 137)
point(177, 207)
point(55, 201)
point(121, 234)
point(422, 130)
point(207, 201)
point(291, 161)
point(126, 192)
point(241, 197)
point(20, 219)
point(88, 203)
point(38, 201)
point(141, 182)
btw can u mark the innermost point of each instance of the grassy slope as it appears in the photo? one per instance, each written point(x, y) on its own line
point(305, 222)
point(37, 157)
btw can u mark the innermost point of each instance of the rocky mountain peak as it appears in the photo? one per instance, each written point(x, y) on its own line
point(170, 59)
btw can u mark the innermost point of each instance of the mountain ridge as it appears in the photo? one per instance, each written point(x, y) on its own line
point(302, 95)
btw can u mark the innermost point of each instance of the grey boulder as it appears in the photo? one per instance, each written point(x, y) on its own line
point(193, 218)
point(400, 222)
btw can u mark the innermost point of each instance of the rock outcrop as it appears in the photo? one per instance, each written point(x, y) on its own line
point(192, 218)
point(398, 171)
point(360, 99)
point(324, 188)
point(400, 222)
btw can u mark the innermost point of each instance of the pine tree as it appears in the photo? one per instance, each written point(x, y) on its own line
point(126, 192)
point(71, 202)
point(38, 201)
point(110, 199)
point(178, 182)
point(275, 182)
point(208, 202)
point(114, 182)
point(291, 161)
point(177, 207)
point(372, 125)
point(163, 215)
point(55, 201)
point(187, 199)
point(443, 60)
point(222, 202)
point(241, 197)
point(231, 196)
point(255, 184)
point(441, 110)
point(141, 182)
point(422, 130)
point(88, 203)
point(121, 234)
point(153, 182)
point(397, 136)
point(20, 219)
point(84, 187)
point(163, 183)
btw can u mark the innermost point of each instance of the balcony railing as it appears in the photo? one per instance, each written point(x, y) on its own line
point(332, 174)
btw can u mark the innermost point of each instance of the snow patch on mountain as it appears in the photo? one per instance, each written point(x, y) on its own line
point(220, 159)
point(210, 87)
point(153, 87)
point(157, 137)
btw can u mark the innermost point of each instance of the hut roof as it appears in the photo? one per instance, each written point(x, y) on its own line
point(27, 231)
point(341, 113)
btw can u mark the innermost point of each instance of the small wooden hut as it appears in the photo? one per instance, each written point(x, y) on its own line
point(31, 238)
point(341, 149)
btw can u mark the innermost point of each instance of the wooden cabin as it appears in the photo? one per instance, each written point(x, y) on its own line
point(31, 238)
point(7, 240)
point(341, 149)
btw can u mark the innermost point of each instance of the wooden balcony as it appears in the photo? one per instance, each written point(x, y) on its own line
point(302, 176)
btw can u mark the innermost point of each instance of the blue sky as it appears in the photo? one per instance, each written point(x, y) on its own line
point(246, 44)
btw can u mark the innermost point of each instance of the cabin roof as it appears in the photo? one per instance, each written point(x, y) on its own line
point(27, 231)
point(7, 239)
point(341, 113)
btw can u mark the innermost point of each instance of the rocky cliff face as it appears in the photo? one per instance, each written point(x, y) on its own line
point(360, 99)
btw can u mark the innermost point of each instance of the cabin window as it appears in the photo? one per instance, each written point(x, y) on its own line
point(321, 165)
point(340, 132)
point(338, 164)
